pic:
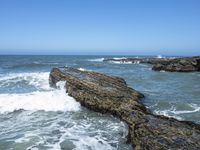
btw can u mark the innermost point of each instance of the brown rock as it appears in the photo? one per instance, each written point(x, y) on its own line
point(183, 64)
point(109, 94)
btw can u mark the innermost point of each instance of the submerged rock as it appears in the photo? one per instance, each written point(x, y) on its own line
point(183, 64)
point(110, 94)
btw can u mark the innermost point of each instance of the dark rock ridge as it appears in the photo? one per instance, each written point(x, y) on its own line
point(110, 94)
point(183, 64)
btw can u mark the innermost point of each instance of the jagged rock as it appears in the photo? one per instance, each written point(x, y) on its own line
point(184, 64)
point(110, 94)
point(188, 64)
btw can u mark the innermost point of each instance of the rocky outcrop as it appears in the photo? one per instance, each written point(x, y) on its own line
point(184, 64)
point(110, 94)
point(188, 64)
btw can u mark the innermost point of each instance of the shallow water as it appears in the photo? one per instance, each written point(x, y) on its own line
point(34, 116)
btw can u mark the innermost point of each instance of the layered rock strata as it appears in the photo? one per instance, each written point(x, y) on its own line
point(110, 94)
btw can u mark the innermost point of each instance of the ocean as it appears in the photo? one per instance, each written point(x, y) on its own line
point(34, 116)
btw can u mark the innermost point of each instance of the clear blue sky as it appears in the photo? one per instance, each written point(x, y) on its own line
point(135, 27)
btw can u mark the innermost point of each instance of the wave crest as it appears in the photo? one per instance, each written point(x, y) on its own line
point(43, 98)
point(97, 59)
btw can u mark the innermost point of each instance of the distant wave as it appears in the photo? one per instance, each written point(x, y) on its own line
point(159, 56)
point(121, 62)
point(33, 64)
point(97, 59)
point(118, 58)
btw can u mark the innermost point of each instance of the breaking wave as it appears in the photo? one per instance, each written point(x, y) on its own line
point(97, 59)
point(52, 120)
point(38, 79)
point(56, 100)
point(42, 98)
point(159, 56)
point(124, 62)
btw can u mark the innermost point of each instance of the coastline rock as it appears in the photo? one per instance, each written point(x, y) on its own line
point(184, 64)
point(188, 64)
point(110, 94)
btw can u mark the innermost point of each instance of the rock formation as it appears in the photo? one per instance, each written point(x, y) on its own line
point(110, 94)
point(188, 64)
point(183, 64)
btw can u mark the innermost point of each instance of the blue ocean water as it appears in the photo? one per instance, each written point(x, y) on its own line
point(34, 116)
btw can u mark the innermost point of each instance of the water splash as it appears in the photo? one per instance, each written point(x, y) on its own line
point(47, 99)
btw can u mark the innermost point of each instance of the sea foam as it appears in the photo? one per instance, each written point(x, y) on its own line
point(37, 79)
point(46, 98)
point(97, 59)
point(159, 56)
point(121, 62)
point(48, 101)
point(173, 112)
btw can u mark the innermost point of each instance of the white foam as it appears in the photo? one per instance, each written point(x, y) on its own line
point(195, 108)
point(25, 138)
point(173, 112)
point(46, 98)
point(121, 62)
point(56, 100)
point(38, 79)
point(85, 141)
point(167, 113)
point(81, 69)
point(76, 134)
point(159, 56)
point(97, 59)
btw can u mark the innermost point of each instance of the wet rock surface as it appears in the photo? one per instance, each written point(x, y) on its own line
point(110, 94)
point(183, 64)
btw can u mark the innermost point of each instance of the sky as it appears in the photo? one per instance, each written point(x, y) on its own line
point(100, 27)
